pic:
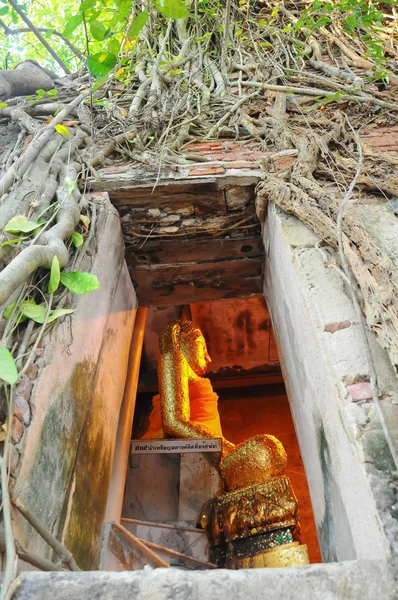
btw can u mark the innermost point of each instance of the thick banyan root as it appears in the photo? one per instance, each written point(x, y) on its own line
point(25, 79)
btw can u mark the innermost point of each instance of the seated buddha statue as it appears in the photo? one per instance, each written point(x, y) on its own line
point(186, 406)
point(255, 522)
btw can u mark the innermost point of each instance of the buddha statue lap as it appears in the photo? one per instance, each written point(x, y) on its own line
point(255, 522)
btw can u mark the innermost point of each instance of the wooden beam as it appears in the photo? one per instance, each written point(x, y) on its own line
point(163, 525)
point(115, 181)
point(187, 283)
point(158, 252)
point(203, 203)
point(138, 544)
point(178, 555)
point(118, 189)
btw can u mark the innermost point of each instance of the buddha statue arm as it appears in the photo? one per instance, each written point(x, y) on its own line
point(174, 394)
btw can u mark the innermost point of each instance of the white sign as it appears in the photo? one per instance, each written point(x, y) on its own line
point(175, 446)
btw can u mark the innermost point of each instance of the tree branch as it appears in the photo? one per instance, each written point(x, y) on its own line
point(22, 30)
point(51, 540)
point(11, 557)
point(39, 36)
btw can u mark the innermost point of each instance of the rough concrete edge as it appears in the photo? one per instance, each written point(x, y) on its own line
point(334, 581)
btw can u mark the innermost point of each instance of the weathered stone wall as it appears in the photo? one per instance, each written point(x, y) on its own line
point(67, 407)
point(344, 581)
point(322, 351)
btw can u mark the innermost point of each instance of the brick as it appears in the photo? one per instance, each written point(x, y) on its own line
point(16, 430)
point(333, 327)
point(202, 147)
point(32, 371)
point(242, 164)
point(360, 391)
point(206, 171)
point(24, 387)
point(13, 456)
point(283, 162)
point(22, 410)
point(237, 196)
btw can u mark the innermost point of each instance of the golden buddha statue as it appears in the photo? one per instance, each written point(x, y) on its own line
point(255, 522)
point(186, 406)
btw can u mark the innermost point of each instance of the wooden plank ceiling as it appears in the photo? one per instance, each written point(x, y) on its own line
point(192, 240)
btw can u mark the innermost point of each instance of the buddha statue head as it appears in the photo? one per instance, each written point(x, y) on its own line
point(183, 336)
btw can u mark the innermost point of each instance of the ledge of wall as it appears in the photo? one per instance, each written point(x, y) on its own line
point(348, 581)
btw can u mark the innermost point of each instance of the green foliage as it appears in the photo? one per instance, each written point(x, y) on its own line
point(356, 17)
point(20, 225)
point(101, 63)
point(77, 239)
point(37, 312)
point(94, 27)
point(8, 370)
point(80, 283)
point(173, 9)
point(62, 130)
point(55, 276)
point(138, 24)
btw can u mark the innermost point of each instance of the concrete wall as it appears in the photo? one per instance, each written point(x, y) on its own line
point(67, 444)
point(344, 581)
point(323, 358)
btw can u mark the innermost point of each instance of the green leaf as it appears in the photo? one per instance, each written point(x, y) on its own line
point(24, 226)
point(20, 318)
point(77, 239)
point(9, 310)
point(59, 312)
point(138, 24)
point(86, 4)
point(35, 312)
point(98, 30)
point(72, 24)
point(98, 84)
point(123, 10)
point(8, 370)
point(174, 9)
point(55, 275)
point(40, 92)
point(13, 241)
point(62, 130)
point(3, 104)
point(3, 11)
point(52, 93)
point(114, 46)
point(101, 64)
point(80, 283)
point(352, 22)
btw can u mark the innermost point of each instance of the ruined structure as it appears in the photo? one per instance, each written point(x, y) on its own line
point(271, 195)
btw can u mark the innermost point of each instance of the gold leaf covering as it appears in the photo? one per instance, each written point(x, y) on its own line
point(250, 511)
point(254, 462)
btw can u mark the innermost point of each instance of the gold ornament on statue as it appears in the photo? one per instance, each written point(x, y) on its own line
point(255, 522)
